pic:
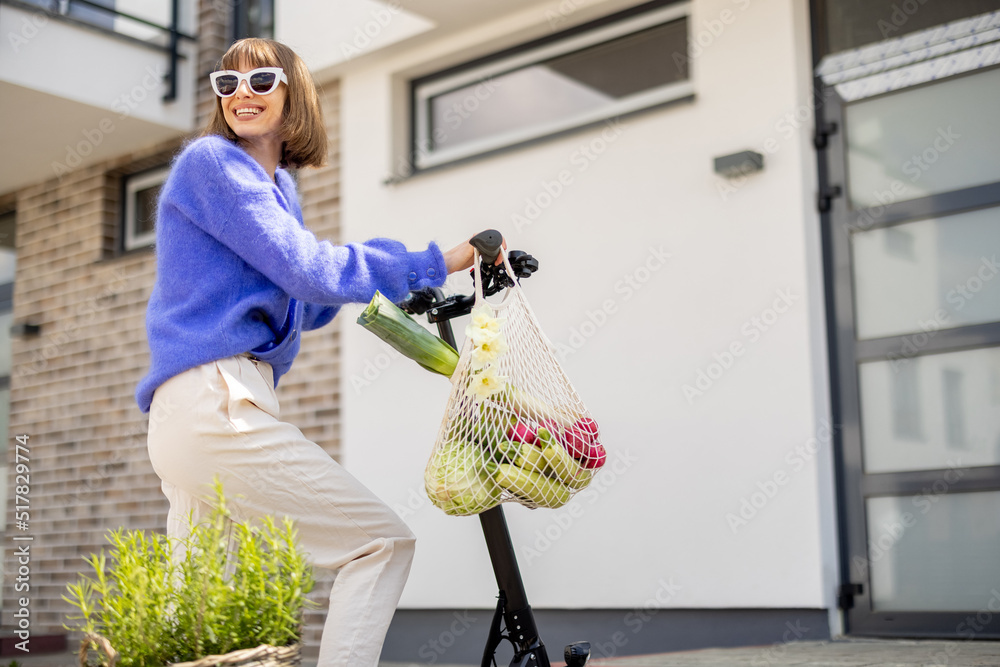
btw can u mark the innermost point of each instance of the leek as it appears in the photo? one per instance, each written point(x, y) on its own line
point(390, 323)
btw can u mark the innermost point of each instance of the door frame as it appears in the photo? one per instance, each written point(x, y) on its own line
point(838, 221)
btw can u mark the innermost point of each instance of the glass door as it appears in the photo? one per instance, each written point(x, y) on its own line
point(912, 239)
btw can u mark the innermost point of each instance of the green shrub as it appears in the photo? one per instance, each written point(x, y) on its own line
point(160, 601)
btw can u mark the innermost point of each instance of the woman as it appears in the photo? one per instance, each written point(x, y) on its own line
point(238, 279)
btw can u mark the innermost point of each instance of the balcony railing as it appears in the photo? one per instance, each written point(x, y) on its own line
point(105, 17)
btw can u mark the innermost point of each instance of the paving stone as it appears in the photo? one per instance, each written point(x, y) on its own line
point(836, 653)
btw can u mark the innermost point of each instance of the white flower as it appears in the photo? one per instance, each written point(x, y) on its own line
point(486, 382)
point(483, 323)
point(489, 348)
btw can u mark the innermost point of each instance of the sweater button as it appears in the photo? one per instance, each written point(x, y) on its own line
point(431, 272)
point(412, 276)
point(294, 335)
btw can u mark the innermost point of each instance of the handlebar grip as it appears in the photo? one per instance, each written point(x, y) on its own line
point(488, 243)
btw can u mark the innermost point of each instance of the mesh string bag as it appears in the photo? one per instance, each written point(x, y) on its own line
point(515, 429)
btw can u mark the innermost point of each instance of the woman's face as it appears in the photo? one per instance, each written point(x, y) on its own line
point(251, 116)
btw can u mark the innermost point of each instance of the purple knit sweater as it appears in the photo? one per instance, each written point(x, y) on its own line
point(237, 271)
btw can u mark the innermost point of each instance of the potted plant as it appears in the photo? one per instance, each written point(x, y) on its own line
point(229, 594)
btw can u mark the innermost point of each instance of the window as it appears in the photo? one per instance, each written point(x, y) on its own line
point(85, 12)
point(566, 81)
point(253, 18)
point(8, 228)
point(91, 14)
point(141, 194)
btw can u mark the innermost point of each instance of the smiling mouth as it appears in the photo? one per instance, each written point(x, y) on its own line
point(247, 112)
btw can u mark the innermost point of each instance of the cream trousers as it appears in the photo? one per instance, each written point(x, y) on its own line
point(221, 418)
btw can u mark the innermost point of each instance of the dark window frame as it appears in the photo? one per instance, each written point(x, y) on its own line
point(241, 23)
point(131, 184)
point(417, 144)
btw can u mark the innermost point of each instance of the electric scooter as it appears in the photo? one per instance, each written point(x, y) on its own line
point(513, 619)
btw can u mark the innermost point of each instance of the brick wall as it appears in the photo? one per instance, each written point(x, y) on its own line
point(72, 386)
point(213, 39)
point(309, 393)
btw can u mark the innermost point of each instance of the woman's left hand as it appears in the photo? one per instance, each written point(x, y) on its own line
point(460, 257)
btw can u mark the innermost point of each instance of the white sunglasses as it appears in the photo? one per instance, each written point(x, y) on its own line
point(262, 81)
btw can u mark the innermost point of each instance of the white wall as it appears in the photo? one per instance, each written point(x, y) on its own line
point(682, 465)
point(351, 28)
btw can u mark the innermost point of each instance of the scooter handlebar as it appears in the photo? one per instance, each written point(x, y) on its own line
point(488, 243)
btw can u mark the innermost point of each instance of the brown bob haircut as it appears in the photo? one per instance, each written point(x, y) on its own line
point(305, 138)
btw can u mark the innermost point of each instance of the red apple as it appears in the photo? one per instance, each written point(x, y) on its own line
point(521, 432)
point(581, 437)
point(577, 442)
point(595, 457)
point(588, 427)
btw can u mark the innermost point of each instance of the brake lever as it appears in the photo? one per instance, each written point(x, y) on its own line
point(495, 278)
point(419, 301)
